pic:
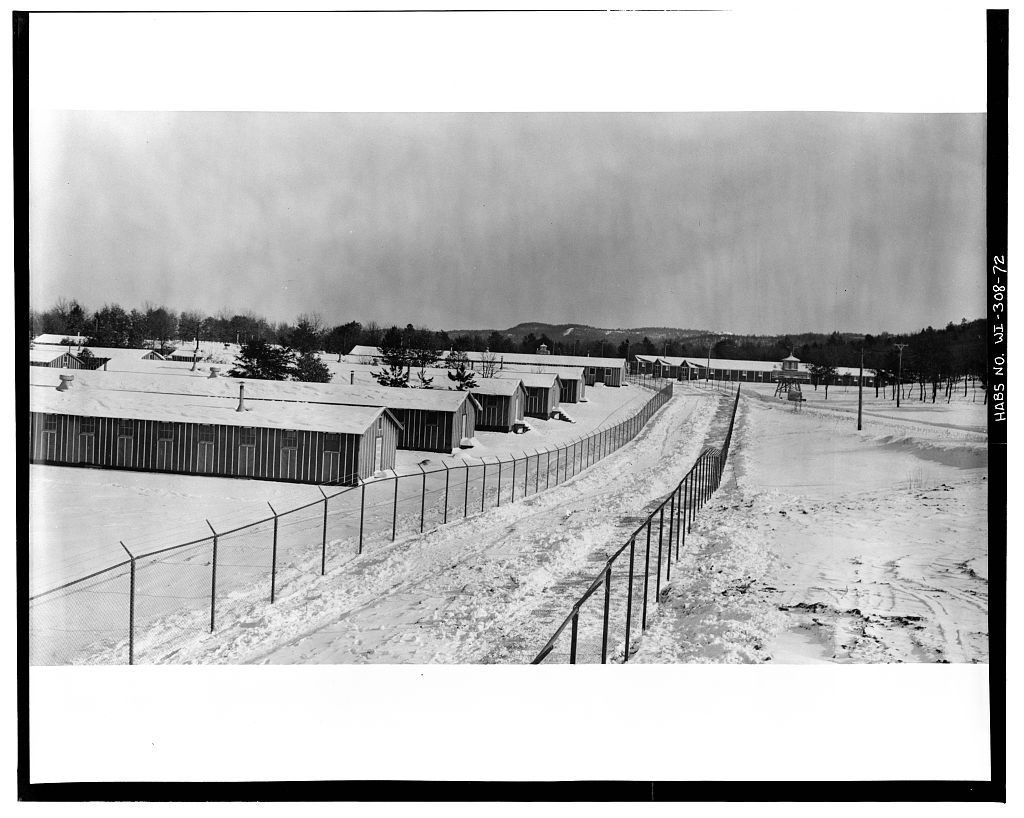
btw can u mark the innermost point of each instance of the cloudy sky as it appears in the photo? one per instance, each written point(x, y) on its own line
point(742, 222)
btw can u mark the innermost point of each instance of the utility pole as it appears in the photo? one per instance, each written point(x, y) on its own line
point(899, 373)
point(860, 390)
point(707, 374)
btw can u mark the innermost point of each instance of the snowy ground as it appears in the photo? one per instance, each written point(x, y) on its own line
point(830, 545)
point(79, 515)
point(487, 589)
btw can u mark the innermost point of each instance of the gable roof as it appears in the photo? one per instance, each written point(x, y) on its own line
point(532, 380)
point(46, 355)
point(496, 386)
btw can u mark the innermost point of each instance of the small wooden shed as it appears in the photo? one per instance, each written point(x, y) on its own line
point(543, 390)
point(502, 403)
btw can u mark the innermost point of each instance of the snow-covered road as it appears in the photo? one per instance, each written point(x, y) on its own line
point(830, 545)
point(487, 589)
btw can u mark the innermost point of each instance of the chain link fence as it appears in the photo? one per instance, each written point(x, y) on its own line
point(183, 591)
point(607, 620)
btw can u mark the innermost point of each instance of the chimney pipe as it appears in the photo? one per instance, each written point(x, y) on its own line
point(213, 371)
point(241, 398)
point(352, 376)
point(65, 383)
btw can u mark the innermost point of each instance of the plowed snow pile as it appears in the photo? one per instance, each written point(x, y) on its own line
point(830, 545)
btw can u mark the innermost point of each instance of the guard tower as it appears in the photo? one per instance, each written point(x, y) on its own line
point(789, 378)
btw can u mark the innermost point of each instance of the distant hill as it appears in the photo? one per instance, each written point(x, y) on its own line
point(581, 334)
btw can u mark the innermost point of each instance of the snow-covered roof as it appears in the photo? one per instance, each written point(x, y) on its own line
point(564, 373)
point(318, 417)
point(727, 363)
point(496, 386)
point(507, 358)
point(46, 355)
point(116, 353)
point(56, 338)
point(648, 358)
point(534, 380)
point(199, 383)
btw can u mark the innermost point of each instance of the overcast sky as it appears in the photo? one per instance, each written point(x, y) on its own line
point(742, 222)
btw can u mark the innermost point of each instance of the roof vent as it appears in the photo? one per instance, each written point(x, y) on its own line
point(352, 376)
point(241, 398)
point(214, 371)
point(65, 383)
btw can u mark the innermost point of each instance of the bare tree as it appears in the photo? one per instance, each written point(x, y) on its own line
point(488, 364)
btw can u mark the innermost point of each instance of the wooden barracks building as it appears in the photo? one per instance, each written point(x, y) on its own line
point(205, 435)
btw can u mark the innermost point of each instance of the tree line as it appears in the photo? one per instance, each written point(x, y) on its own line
point(933, 360)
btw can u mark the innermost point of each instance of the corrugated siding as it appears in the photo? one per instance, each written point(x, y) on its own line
point(299, 456)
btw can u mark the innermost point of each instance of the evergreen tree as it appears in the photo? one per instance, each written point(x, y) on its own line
point(395, 357)
point(309, 368)
point(260, 360)
point(460, 372)
point(425, 382)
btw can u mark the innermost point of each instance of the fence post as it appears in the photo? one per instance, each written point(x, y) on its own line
point(131, 608)
point(362, 510)
point(679, 517)
point(213, 579)
point(273, 557)
point(691, 506)
point(661, 530)
point(547, 471)
point(514, 463)
point(607, 606)
point(323, 543)
point(465, 502)
point(498, 458)
point(536, 475)
point(572, 644)
point(629, 598)
point(671, 533)
point(483, 491)
point(394, 510)
point(423, 497)
point(647, 574)
point(446, 474)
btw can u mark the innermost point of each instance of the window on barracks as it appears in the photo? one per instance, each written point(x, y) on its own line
point(50, 424)
point(291, 439)
point(247, 436)
point(125, 428)
point(332, 442)
point(88, 426)
point(206, 434)
point(165, 432)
